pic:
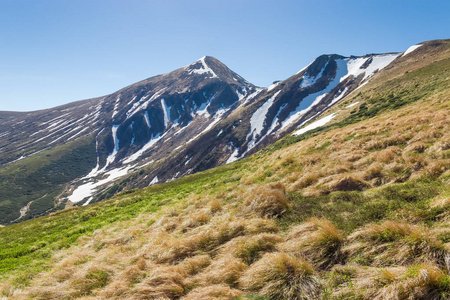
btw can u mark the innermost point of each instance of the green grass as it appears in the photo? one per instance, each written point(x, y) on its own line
point(350, 210)
point(29, 245)
point(41, 177)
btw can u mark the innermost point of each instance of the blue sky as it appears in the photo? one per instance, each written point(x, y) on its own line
point(57, 51)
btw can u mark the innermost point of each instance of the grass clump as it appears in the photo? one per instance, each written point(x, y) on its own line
point(164, 282)
point(281, 276)
point(224, 269)
point(94, 279)
point(424, 281)
point(317, 240)
point(396, 242)
point(249, 249)
point(266, 200)
point(213, 292)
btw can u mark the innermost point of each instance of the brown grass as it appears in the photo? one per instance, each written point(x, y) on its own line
point(224, 269)
point(164, 282)
point(425, 281)
point(213, 292)
point(281, 276)
point(317, 240)
point(374, 245)
point(346, 183)
point(195, 264)
point(266, 200)
point(250, 248)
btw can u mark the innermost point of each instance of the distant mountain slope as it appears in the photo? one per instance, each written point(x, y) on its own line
point(192, 119)
point(272, 114)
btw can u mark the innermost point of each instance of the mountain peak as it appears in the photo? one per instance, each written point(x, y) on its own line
point(212, 68)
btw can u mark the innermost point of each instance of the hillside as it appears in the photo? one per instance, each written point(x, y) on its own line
point(354, 209)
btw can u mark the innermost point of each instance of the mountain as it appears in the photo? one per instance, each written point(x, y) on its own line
point(162, 128)
point(351, 205)
point(262, 119)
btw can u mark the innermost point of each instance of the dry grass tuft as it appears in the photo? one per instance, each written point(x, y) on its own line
point(417, 147)
point(374, 245)
point(346, 183)
point(249, 248)
point(213, 292)
point(266, 200)
point(318, 240)
point(195, 264)
point(215, 205)
point(304, 181)
point(425, 281)
point(164, 282)
point(224, 269)
point(281, 276)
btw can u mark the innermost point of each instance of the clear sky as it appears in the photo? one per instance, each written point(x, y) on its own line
point(57, 51)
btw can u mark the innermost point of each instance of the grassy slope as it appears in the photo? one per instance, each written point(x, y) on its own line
point(41, 177)
point(356, 210)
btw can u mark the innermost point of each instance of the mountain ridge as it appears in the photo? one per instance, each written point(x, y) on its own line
point(142, 128)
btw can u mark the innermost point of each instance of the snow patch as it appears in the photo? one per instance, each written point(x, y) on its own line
point(112, 155)
point(411, 49)
point(89, 188)
point(355, 65)
point(147, 119)
point(116, 106)
point(233, 157)
point(316, 124)
point(257, 120)
point(338, 97)
point(203, 69)
point(147, 146)
point(154, 181)
point(351, 105)
point(166, 111)
point(311, 80)
point(273, 85)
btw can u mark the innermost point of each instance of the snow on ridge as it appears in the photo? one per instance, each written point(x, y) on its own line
point(166, 111)
point(112, 155)
point(315, 124)
point(273, 85)
point(258, 118)
point(311, 80)
point(411, 49)
point(147, 119)
point(379, 62)
point(233, 157)
point(154, 181)
point(311, 100)
point(116, 106)
point(345, 68)
point(153, 140)
point(204, 69)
